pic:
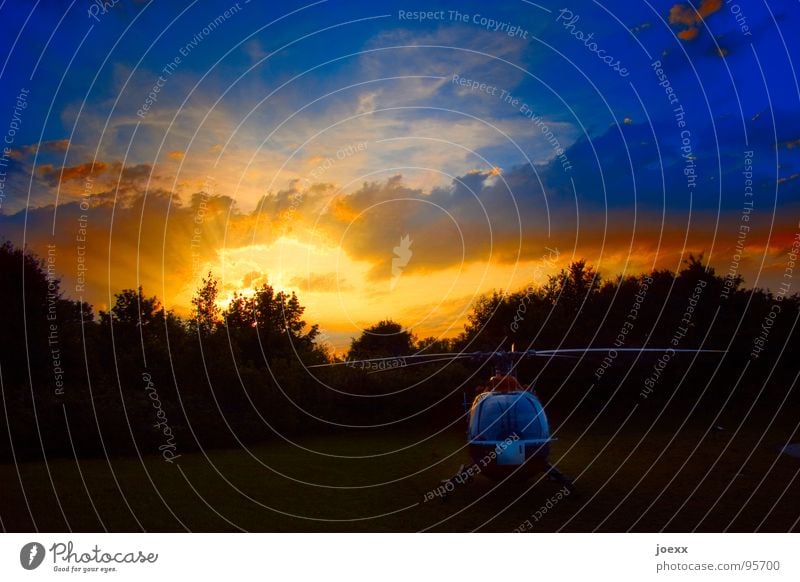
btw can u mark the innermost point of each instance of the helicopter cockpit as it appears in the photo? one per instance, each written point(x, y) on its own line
point(500, 415)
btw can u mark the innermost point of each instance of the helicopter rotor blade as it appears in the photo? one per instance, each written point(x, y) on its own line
point(450, 359)
point(639, 350)
point(369, 361)
point(419, 359)
point(417, 363)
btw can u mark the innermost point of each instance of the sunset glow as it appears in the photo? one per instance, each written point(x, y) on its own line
point(234, 153)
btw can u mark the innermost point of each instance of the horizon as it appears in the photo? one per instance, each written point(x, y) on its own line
point(329, 337)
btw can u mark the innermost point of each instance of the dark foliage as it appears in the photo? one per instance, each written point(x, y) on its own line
point(138, 379)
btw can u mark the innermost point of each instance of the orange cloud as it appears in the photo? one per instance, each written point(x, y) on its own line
point(708, 7)
point(176, 155)
point(253, 278)
point(691, 18)
point(321, 283)
point(22, 152)
point(69, 173)
point(166, 244)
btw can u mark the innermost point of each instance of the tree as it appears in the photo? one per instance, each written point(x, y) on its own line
point(239, 314)
point(572, 287)
point(432, 345)
point(268, 322)
point(132, 308)
point(24, 293)
point(280, 314)
point(205, 316)
point(385, 338)
point(487, 322)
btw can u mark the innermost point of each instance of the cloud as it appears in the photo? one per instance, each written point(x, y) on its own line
point(97, 182)
point(54, 176)
point(321, 283)
point(252, 279)
point(27, 151)
point(791, 144)
point(420, 103)
point(254, 51)
point(367, 101)
point(691, 18)
point(155, 241)
point(481, 222)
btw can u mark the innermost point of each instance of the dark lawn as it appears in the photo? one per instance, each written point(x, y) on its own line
point(279, 487)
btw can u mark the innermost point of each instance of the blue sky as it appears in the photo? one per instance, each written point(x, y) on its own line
point(551, 146)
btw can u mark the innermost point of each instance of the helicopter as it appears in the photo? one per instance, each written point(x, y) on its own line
point(508, 434)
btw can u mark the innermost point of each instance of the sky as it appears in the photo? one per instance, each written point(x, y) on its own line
point(396, 159)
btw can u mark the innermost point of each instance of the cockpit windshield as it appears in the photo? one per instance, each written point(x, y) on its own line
point(500, 416)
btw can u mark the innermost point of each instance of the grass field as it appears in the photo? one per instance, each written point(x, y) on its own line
point(731, 481)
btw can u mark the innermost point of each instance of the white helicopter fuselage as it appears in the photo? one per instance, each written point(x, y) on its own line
point(508, 430)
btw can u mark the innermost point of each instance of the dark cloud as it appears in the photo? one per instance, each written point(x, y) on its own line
point(629, 184)
point(627, 196)
point(115, 173)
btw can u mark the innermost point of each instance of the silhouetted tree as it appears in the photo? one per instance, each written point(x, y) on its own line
point(132, 308)
point(385, 338)
point(572, 287)
point(206, 313)
point(432, 345)
point(248, 365)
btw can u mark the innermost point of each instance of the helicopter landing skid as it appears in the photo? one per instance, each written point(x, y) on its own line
point(559, 477)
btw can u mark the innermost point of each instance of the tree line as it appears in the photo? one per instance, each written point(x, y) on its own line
point(139, 379)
